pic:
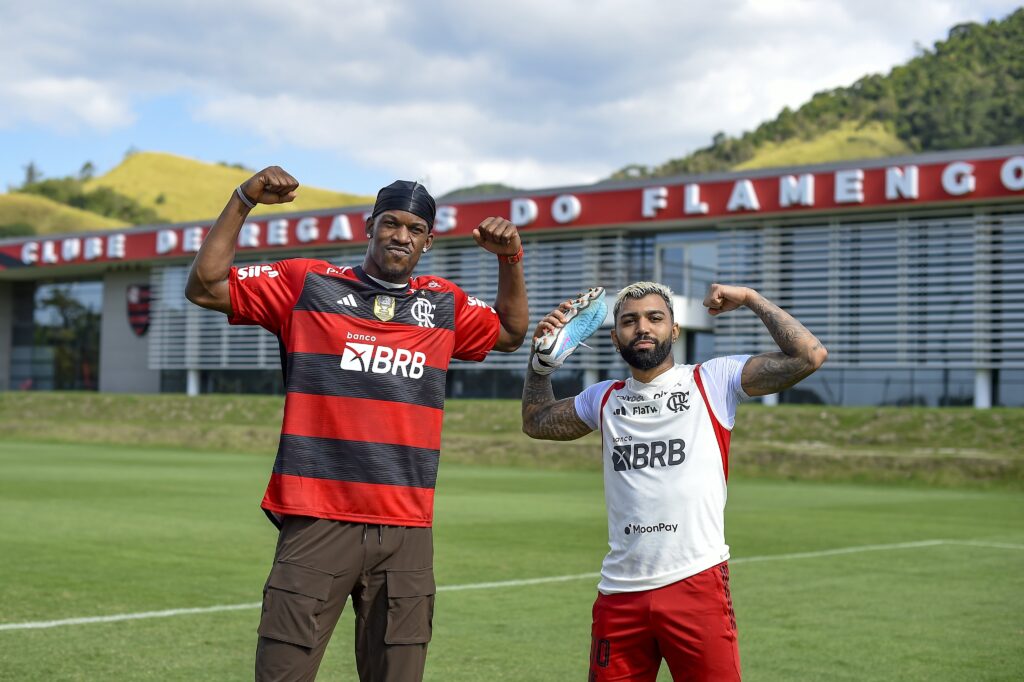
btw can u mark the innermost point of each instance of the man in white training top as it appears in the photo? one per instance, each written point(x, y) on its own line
point(664, 588)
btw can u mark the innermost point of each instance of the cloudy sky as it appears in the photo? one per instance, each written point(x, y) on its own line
point(351, 94)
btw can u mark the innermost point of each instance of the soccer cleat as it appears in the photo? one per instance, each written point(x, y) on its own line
point(586, 313)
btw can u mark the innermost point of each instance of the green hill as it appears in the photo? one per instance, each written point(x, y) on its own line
point(482, 189)
point(181, 189)
point(847, 141)
point(968, 91)
point(45, 216)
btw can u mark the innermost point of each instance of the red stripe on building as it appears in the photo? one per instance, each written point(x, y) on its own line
point(988, 174)
point(722, 434)
point(371, 421)
point(343, 501)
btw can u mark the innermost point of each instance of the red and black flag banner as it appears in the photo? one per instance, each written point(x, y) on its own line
point(138, 308)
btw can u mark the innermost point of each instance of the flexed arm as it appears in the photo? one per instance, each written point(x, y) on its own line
point(500, 237)
point(801, 352)
point(208, 279)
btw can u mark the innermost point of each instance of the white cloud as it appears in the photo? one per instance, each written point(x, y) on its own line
point(531, 93)
point(63, 104)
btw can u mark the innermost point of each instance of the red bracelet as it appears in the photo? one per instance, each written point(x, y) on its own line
point(512, 260)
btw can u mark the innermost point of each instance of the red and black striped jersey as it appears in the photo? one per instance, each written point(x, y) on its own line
point(364, 370)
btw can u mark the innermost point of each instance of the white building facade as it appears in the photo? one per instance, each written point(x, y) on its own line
point(910, 270)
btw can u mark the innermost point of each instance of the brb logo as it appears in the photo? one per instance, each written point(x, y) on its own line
point(367, 357)
point(644, 455)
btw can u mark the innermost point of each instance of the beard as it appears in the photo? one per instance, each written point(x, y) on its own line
point(646, 359)
point(394, 267)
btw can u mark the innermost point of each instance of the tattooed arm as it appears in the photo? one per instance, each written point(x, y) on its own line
point(801, 354)
point(543, 416)
point(546, 418)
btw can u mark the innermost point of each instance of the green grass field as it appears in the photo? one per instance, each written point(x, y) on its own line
point(96, 530)
point(925, 446)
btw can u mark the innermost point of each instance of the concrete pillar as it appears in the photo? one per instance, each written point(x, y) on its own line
point(590, 377)
point(6, 332)
point(771, 400)
point(124, 355)
point(983, 389)
point(192, 382)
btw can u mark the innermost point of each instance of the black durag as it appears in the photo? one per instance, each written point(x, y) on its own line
point(402, 195)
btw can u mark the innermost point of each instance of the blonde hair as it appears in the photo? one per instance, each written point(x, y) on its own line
point(639, 290)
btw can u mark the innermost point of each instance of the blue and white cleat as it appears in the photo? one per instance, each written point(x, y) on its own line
point(586, 313)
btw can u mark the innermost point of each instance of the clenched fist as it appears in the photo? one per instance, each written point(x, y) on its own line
point(722, 298)
point(272, 185)
point(499, 236)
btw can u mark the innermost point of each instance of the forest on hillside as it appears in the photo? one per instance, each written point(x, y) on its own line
point(967, 91)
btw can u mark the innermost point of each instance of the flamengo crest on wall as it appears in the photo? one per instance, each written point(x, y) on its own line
point(590, 207)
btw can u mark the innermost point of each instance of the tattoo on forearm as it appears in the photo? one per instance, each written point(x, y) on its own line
point(773, 372)
point(793, 338)
point(547, 418)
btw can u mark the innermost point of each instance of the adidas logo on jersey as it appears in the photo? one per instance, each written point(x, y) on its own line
point(644, 455)
point(349, 301)
point(366, 357)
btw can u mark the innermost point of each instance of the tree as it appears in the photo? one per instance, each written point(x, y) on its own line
point(87, 171)
point(18, 229)
point(32, 173)
point(967, 91)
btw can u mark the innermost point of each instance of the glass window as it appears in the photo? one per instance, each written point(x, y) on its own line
point(242, 381)
point(700, 265)
point(687, 267)
point(700, 346)
point(56, 336)
point(1009, 388)
point(824, 387)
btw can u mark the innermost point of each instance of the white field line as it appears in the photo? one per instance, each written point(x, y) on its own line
point(977, 543)
point(509, 583)
point(514, 583)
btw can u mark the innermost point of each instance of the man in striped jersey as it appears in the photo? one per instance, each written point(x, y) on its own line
point(664, 588)
point(364, 354)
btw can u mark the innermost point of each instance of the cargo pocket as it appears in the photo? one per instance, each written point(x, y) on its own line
point(410, 606)
point(292, 602)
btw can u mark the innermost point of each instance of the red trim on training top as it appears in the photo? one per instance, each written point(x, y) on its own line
point(722, 434)
point(604, 399)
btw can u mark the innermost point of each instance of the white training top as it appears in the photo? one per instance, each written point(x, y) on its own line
point(665, 447)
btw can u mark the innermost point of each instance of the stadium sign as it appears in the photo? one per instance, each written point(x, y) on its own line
point(721, 197)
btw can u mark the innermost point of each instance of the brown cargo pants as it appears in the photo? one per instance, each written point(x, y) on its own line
point(319, 563)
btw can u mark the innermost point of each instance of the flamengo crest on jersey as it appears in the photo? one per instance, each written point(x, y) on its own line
point(664, 480)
